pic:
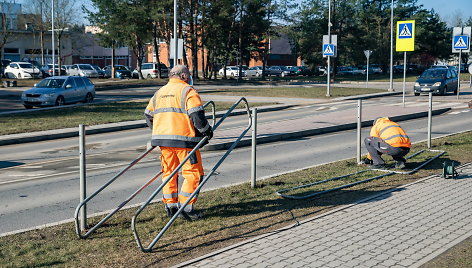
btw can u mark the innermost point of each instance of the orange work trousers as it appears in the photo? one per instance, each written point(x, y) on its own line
point(192, 171)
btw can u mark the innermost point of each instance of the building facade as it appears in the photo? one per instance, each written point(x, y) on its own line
point(23, 40)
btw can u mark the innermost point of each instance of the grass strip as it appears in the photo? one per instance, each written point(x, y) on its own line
point(87, 115)
point(233, 214)
point(295, 92)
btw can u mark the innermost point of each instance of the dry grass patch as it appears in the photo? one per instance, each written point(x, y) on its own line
point(295, 92)
point(87, 115)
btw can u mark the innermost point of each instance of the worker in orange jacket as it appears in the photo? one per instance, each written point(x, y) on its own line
point(386, 137)
point(177, 119)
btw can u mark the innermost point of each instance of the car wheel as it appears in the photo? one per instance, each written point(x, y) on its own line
point(258, 74)
point(88, 98)
point(27, 106)
point(60, 101)
point(444, 91)
point(149, 76)
point(282, 74)
point(455, 91)
point(417, 94)
point(19, 76)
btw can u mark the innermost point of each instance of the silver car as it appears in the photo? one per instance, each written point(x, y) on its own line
point(59, 90)
point(84, 70)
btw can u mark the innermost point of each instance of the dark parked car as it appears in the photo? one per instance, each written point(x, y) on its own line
point(302, 70)
point(121, 72)
point(59, 90)
point(101, 73)
point(436, 80)
point(46, 70)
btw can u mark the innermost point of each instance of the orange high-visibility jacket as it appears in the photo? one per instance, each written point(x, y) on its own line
point(176, 116)
point(390, 132)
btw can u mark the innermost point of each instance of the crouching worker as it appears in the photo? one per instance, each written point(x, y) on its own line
point(386, 137)
point(177, 119)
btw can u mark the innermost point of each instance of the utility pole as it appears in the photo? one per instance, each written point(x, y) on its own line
point(328, 93)
point(391, 47)
point(176, 40)
point(53, 38)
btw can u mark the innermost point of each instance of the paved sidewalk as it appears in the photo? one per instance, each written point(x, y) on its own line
point(405, 227)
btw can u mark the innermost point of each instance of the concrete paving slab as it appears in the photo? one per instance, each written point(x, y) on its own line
point(390, 245)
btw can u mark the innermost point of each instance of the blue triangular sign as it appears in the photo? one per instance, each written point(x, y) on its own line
point(405, 31)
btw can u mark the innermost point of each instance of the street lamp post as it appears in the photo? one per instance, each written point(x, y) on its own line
point(328, 93)
point(176, 40)
point(52, 41)
point(391, 47)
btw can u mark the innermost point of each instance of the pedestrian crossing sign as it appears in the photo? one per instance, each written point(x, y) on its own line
point(328, 49)
point(461, 42)
point(405, 35)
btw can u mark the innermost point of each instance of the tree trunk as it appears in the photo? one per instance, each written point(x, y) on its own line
point(113, 60)
point(156, 49)
point(41, 35)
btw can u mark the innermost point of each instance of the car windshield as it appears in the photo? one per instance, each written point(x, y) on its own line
point(51, 83)
point(26, 65)
point(122, 68)
point(85, 67)
point(234, 68)
point(434, 73)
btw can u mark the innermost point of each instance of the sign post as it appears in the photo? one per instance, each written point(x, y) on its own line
point(405, 42)
point(460, 43)
point(329, 50)
point(367, 54)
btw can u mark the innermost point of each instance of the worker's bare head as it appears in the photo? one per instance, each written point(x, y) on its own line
point(180, 72)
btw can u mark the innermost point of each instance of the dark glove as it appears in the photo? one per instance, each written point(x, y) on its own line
point(209, 134)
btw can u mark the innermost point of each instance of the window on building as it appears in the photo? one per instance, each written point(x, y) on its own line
point(11, 50)
point(32, 51)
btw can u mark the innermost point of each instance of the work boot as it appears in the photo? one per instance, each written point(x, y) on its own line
point(191, 215)
point(400, 164)
point(367, 161)
point(378, 166)
point(171, 211)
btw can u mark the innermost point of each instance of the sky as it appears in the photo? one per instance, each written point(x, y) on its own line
point(447, 9)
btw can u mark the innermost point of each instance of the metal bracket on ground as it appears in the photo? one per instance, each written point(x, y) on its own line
point(440, 152)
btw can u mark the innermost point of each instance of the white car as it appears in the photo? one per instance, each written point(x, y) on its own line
point(231, 71)
point(84, 70)
point(22, 70)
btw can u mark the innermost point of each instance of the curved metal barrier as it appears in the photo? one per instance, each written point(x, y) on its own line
point(387, 173)
point(120, 206)
point(297, 197)
point(197, 190)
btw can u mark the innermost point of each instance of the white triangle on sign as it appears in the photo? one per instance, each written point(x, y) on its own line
point(405, 32)
point(460, 43)
point(328, 50)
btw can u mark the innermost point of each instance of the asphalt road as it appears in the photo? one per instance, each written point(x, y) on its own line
point(41, 201)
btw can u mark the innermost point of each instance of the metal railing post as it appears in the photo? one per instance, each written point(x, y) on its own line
point(430, 112)
point(359, 126)
point(253, 149)
point(83, 185)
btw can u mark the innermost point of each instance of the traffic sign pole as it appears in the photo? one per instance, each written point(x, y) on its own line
point(328, 93)
point(459, 75)
point(404, 76)
point(367, 78)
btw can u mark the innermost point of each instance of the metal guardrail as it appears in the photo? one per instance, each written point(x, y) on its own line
point(197, 190)
point(297, 197)
point(120, 206)
point(387, 173)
